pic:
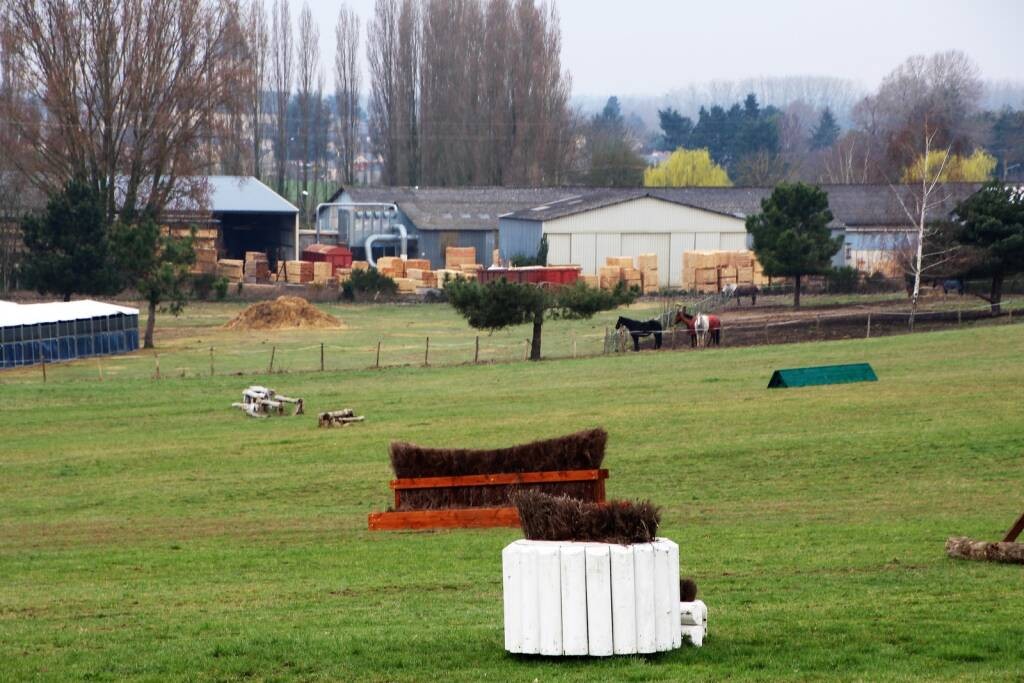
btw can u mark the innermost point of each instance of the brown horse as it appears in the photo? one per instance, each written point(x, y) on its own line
point(705, 329)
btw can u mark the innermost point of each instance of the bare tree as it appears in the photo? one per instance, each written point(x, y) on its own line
point(256, 79)
point(281, 71)
point(230, 146)
point(307, 77)
point(126, 91)
point(392, 48)
point(347, 87)
point(921, 207)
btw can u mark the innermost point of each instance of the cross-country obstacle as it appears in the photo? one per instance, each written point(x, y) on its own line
point(822, 374)
point(1007, 550)
point(464, 488)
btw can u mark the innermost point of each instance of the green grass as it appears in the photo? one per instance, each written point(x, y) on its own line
point(148, 531)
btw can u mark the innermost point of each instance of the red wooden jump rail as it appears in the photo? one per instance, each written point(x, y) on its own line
point(479, 517)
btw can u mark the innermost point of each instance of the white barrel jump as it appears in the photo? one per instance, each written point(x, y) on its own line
point(597, 599)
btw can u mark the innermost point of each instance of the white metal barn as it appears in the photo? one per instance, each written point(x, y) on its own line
point(584, 230)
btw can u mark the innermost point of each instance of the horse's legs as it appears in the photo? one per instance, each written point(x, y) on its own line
point(636, 342)
point(657, 340)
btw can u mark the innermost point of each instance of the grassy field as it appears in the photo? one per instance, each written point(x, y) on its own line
point(148, 531)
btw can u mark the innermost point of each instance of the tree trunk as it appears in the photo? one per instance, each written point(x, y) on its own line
point(969, 549)
point(147, 341)
point(997, 293)
point(538, 322)
point(796, 291)
point(67, 296)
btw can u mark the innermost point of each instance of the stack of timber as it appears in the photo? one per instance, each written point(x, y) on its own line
point(204, 244)
point(458, 488)
point(619, 269)
point(295, 272)
point(231, 269)
point(456, 257)
point(360, 265)
point(470, 270)
point(648, 264)
point(710, 271)
point(257, 267)
point(323, 273)
point(391, 266)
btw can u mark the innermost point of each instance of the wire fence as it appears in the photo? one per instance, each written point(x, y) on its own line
point(197, 360)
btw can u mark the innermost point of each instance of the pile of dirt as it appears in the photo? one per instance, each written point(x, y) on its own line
point(283, 313)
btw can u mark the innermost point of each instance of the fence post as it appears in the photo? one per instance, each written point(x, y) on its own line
point(426, 354)
point(270, 368)
point(574, 343)
point(377, 364)
point(156, 358)
point(211, 361)
point(321, 356)
point(526, 356)
point(673, 338)
point(765, 331)
point(817, 325)
point(44, 369)
point(959, 316)
point(99, 367)
point(868, 336)
point(605, 340)
point(476, 352)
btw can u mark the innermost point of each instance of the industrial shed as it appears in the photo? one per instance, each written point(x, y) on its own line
point(434, 217)
point(246, 215)
point(586, 229)
point(52, 332)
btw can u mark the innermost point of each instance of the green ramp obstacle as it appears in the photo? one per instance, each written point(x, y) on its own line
point(822, 374)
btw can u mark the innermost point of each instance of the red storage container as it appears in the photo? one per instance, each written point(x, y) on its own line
point(555, 275)
point(337, 256)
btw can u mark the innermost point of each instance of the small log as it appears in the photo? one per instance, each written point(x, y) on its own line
point(969, 549)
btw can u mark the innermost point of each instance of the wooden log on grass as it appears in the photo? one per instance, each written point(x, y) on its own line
point(968, 549)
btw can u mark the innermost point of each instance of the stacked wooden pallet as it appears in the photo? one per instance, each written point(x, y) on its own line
point(710, 271)
point(622, 269)
point(360, 265)
point(257, 267)
point(231, 269)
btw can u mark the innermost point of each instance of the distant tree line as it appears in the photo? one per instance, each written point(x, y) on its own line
point(764, 145)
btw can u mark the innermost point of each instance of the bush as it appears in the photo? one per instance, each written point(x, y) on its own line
point(221, 288)
point(368, 282)
point(843, 280)
point(202, 285)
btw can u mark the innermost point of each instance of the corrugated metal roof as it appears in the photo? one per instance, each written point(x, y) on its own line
point(12, 313)
point(245, 194)
point(478, 208)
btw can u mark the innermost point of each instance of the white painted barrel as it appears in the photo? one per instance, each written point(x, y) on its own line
point(597, 599)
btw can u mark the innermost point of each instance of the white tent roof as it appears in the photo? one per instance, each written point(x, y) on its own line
point(12, 314)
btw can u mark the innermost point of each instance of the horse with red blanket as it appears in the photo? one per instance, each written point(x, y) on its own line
point(704, 329)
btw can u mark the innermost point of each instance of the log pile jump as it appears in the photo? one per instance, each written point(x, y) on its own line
point(1006, 551)
point(338, 418)
point(460, 488)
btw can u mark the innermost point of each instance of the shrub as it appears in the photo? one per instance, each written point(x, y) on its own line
point(371, 281)
point(843, 280)
point(202, 285)
point(221, 288)
point(561, 518)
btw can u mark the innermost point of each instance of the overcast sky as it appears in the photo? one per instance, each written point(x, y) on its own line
point(649, 47)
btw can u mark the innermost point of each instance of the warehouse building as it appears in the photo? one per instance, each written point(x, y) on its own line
point(52, 332)
point(584, 225)
point(586, 229)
